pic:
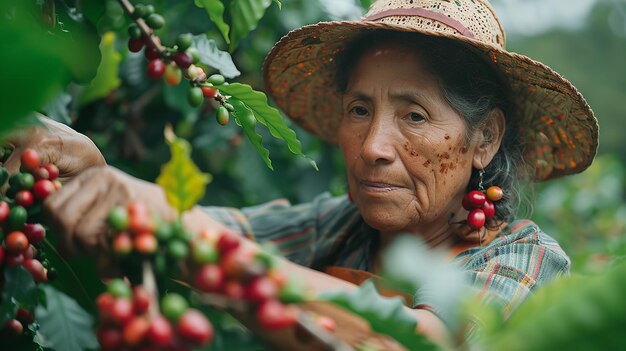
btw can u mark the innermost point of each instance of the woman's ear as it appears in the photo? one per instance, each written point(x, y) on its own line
point(489, 138)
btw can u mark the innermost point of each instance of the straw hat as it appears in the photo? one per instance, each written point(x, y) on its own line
point(557, 126)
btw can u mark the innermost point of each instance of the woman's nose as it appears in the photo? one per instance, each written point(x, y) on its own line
point(378, 145)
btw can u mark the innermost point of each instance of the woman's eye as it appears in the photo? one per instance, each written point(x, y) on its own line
point(416, 117)
point(359, 111)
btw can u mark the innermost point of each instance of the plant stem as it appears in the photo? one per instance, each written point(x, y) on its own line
point(145, 29)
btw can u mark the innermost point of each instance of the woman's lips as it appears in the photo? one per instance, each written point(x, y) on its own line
point(377, 186)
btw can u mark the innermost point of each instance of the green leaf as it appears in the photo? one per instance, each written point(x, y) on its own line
point(241, 112)
point(64, 324)
point(210, 55)
point(572, 313)
point(180, 178)
point(245, 15)
point(256, 101)
point(215, 10)
point(107, 78)
point(57, 108)
point(385, 315)
point(19, 291)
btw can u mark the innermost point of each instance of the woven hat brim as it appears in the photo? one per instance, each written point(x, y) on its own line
point(557, 126)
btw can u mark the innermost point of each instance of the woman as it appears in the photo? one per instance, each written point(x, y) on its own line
point(428, 107)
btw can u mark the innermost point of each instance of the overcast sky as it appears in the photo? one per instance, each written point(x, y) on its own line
point(520, 17)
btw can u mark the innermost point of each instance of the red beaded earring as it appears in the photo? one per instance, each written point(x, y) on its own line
point(479, 203)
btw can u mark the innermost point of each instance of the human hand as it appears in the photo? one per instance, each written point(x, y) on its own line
point(55, 143)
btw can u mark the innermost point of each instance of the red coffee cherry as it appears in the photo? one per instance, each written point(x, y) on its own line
point(195, 328)
point(30, 159)
point(182, 60)
point(1, 255)
point(476, 198)
point(41, 173)
point(122, 244)
point(234, 290)
point(209, 92)
point(105, 302)
point(261, 289)
point(151, 53)
point(156, 69)
point(14, 326)
point(43, 188)
point(16, 242)
point(160, 332)
point(494, 193)
point(36, 269)
point(110, 338)
point(489, 209)
point(4, 211)
point(273, 315)
point(35, 232)
point(227, 242)
point(122, 311)
point(135, 45)
point(209, 278)
point(476, 219)
point(141, 299)
point(53, 171)
point(135, 331)
point(145, 243)
point(24, 198)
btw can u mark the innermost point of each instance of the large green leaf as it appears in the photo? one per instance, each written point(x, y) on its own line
point(215, 10)
point(245, 15)
point(64, 324)
point(212, 56)
point(19, 291)
point(107, 78)
point(180, 178)
point(245, 118)
point(574, 313)
point(256, 101)
point(385, 315)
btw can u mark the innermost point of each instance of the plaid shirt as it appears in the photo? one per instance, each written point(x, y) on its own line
point(330, 232)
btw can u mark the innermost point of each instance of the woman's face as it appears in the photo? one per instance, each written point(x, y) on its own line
point(405, 147)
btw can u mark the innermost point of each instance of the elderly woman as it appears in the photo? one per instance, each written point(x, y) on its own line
point(429, 111)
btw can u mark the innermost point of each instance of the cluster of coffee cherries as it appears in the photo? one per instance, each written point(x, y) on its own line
point(21, 240)
point(131, 320)
point(481, 205)
point(172, 63)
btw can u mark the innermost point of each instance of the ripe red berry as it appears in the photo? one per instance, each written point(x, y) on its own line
point(41, 173)
point(1, 255)
point(151, 53)
point(209, 92)
point(227, 242)
point(476, 198)
point(261, 289)
point(195, 328)
point(234, 289)
point(141, 299)
point(156, 69)
point(53, 171)
point(145, 243)
point(494, 193)
point(16, 242)
point(182, 60)
point(30, 252)
point(160, 331)
point(209, 278)
point(36, 269)
point(24, 316)
point(105, 302)
point(476, 219)
point(35, 232)
point(135, 331)
point(30, 159)
point(489, 209)
point(4, 211)
point(122, 244)
point(43, 188)
point(13, 260)
point(109, 338)
point(14, 326)
point(273, 315)
point(135, 45)
point(122, 311)
point(24, 198)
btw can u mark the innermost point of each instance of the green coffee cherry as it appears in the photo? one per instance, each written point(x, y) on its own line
point(195, 96)
point(222, 115)
point(177, 249)
point(140, 11)
point(184, 42)
point(216, 79)
point(173, 306)
point(155, 21)
point(133, 31)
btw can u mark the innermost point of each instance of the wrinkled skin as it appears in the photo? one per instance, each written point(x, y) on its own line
point(407, 155)
point(55, 143)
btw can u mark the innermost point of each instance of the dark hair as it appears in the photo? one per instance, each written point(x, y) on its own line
point(473, 87)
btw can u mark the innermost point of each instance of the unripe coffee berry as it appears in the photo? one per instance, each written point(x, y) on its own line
point(494, 193)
